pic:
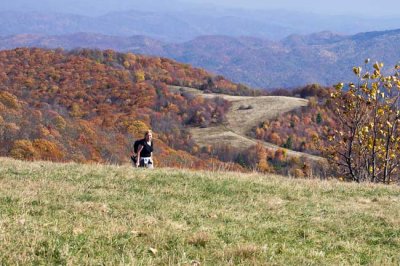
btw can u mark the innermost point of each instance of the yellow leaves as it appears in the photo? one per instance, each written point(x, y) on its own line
point(139, 76)
point(374, 86)
point(339, 86)
point(357, 70)
point(365, 129)
point(388, 86)
point(364, 87)
point(377, 66)
point(366, 76)
point(377, 74)
point(136, 128)
point(374, 90)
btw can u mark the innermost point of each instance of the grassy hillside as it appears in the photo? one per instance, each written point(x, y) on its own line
point(92, 214)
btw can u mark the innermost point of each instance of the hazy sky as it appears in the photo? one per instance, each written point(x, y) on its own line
point(364, 7)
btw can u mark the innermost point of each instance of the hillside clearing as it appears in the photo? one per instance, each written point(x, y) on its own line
point(93, 214)
point(246, 113)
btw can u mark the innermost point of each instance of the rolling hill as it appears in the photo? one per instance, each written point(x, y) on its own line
point(89, 105)
point(325, 58)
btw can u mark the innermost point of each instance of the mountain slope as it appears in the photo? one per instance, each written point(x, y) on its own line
point(323, 58)
point(89, 105)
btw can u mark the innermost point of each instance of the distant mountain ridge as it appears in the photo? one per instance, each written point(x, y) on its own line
point(179, 25)
point(325, 58)
point(166, 26)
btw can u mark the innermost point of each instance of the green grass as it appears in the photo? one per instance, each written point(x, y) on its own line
point(92, 214)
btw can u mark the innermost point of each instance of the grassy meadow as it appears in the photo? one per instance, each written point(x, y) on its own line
point(71, 214)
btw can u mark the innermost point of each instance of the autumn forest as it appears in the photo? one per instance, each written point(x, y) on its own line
point(90, 105)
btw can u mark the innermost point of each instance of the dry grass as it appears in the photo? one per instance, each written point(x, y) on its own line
point(70, 214)
point(264, 108)
point(199, 239)
point(243, 251)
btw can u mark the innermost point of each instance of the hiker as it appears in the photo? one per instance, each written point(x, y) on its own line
point(144, 154)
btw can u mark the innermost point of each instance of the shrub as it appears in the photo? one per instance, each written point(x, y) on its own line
point(47, 150)
point(23, 150)
point(136, 128)
point(298, 173)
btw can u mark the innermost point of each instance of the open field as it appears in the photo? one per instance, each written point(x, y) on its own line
point(240, 122)
point(70, 214)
